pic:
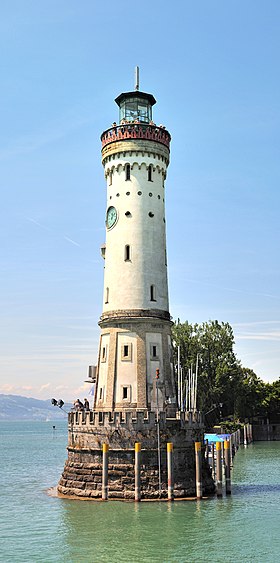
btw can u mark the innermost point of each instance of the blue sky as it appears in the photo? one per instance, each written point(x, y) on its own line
point(214, 70)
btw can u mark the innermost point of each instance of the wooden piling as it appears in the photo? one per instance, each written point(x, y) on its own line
point(198, 470)
point(105, 472)
point(137, 471)
point(219, 484)
point(227, 467)
point(170, 476)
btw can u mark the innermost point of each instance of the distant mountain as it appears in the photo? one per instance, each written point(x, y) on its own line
point(15, 407)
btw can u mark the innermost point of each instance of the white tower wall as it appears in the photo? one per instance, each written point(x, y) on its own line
point(141, 225)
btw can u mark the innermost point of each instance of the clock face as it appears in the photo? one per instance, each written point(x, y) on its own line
point(111, 217)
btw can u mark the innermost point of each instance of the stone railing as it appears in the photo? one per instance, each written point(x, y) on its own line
point(129, 418)
point(136, 131)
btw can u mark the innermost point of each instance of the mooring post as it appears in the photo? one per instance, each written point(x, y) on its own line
point(219, 484)
point(231, 455)
point(105, 472)
point(137, 471)
point(245, 435)
point(227, 467)
point(206, 451)
point(198, 472)
point(170, 477)
point(213, 459)
point(223, 452)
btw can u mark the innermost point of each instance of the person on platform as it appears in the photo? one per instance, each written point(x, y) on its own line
point(78, 405)
point(86, 405)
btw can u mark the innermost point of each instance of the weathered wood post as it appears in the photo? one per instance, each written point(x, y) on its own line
point(219, 484)
point(227, 467)
point(198, 470)
point(105, 472)
point(170, 476)
point(137, 471)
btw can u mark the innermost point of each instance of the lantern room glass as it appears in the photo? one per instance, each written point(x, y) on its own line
point(135, 109)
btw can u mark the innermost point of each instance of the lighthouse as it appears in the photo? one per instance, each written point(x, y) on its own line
point(124, 443)
point(135, 341)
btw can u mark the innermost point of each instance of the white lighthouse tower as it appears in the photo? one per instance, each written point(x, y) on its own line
point(134, 405)
point(135, 324)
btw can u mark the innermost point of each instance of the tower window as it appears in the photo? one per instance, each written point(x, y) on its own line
point(127, 171)
point(125, 393)
point(127, 253)
point(150, 172)
point(126, 352)
point(151, 214)
point(107, 295)
point(153, 293)
point(104, 353)
point(110, 178)
point(154, 350)
point(100, 393)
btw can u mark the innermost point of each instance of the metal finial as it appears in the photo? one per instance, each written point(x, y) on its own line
point(137, 78)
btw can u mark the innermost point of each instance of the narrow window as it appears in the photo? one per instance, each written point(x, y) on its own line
point(127, 171)
point(103, 355)
point(110, 178)
point(100, 393)
point(153, 293)
point(125, 392)
point(126, 352)
point(107, 295)
point(154, 351)
point(150, 169)
point(127, 253)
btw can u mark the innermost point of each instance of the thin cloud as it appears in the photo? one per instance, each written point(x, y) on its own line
point(41, 226)
point(71, 240)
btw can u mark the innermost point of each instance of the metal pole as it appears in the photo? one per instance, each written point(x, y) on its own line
point(137, 472)
point(170, 477)
point(178, 374)
point(227, 467)
point(105, 472)
point(158, 438)
point(198, 471)
point(219, 485)
point(213, 459)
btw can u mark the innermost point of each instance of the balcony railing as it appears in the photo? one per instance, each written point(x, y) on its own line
point(129, 131)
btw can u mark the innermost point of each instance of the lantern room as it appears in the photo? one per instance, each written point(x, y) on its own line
point(135, 107)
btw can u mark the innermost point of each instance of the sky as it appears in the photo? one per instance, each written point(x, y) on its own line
point(213, 68)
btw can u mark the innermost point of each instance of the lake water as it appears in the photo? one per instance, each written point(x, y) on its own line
point(35, 527)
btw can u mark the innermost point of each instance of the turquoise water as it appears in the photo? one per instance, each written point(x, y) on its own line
point(40, 528)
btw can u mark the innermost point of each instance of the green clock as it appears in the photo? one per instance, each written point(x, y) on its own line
point(111, 217)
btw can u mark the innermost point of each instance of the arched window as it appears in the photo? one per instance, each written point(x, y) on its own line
point(150, 171)
point(127, 253)
point(153, 293)
point(127, 171)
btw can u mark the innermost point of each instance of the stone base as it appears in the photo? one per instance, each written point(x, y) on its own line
point(82, 475)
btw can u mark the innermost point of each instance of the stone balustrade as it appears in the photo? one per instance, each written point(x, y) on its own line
point(136, 131)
